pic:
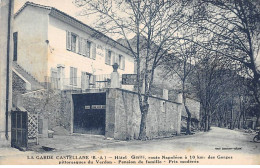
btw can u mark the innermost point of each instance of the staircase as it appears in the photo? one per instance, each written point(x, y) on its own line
point(35, 85)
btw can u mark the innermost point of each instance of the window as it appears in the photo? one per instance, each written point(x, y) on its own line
point(72, 42)
point(122, 62)
point(88, 49)
point(15, 38)
point(74, 39)
point(80, 45)
point(73, 76)
point(108, 57)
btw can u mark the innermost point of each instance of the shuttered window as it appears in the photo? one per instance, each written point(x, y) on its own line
point(113, 58)
point(122, 62)
point(80, 45)
point(108, 57)
point(88, 49)
point(73, 76)
point(93, 51)
point(74, 42)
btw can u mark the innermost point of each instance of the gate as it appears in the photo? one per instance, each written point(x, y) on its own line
point(24, 127)
point(89, 113)
point(19, 130)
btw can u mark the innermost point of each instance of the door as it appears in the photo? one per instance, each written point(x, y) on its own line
point(89, 113)
point(19, 129)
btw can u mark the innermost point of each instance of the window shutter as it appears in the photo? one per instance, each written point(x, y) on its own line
point(93, 50)
point(75, 76)
point(123, 63)
point(84, 47)
point(78, 45)
point(71, 75)
point(106, 57)
point(68, 40)
point(113, 58)
point(94, 80)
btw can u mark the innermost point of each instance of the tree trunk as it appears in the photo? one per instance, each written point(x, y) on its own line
point(257, 124)
point(188, 130)
point(206, 123)
point(209, 121)
point(144, 112)
point(239, 120)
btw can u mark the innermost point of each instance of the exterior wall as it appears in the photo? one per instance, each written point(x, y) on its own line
point(3, 70)
point(31, 25)
point(123, 116)
point(52, 106)
point(60, 55)
point(18, 86)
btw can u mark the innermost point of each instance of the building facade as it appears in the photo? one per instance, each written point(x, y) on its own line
point(60, 51)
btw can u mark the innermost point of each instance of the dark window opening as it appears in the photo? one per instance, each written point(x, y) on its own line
point(15, 38)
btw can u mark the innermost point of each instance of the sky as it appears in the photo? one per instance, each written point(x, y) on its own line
point(68, 7)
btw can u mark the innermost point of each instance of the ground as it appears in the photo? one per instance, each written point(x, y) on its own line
point(219, 146)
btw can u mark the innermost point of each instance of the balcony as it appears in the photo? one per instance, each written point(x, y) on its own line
point(80, 84)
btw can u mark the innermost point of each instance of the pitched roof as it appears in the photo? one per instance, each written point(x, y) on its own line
point(67, 18)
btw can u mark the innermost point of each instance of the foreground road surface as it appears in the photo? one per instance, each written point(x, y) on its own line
point(219, 146)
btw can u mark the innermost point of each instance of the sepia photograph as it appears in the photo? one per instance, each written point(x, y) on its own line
point(129, 82)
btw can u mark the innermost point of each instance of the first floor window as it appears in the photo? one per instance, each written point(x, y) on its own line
point(88, 49)
point(74, 39)
point(122, 62)
point(108, 57)
point(73, 76)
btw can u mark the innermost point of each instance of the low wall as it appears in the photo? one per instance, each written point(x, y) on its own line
point(123, 116)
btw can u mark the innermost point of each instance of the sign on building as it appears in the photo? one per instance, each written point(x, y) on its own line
point(129, 79)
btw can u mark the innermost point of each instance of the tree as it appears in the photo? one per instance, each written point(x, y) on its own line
point(234, 26)
point(152, 23)
point(211, 79)
point(181, 62)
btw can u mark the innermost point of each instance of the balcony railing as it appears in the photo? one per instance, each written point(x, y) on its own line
point(83, 83)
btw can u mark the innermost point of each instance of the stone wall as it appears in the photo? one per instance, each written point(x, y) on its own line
point(51, 105)
point(18, 86)
point(123, 116)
